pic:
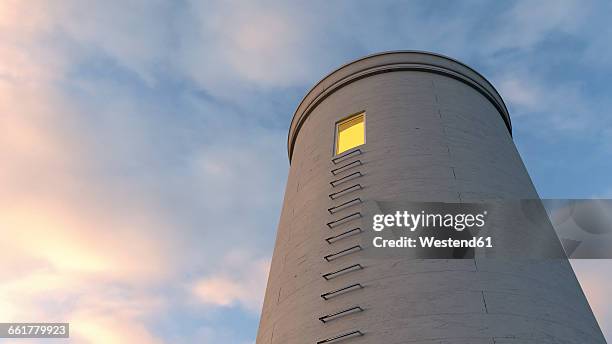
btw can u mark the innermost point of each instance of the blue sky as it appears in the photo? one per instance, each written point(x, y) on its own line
point(132, 180)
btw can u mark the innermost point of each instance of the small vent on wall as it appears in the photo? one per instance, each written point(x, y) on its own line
point(344, 205)
point(345, 191)
point(338, 292)
point(343, 271)
point(343, 220)
point(329, 317)
point(351, 176)
point(342, 253)
point(346, 156)
point(346, 167)
point(341, 337)
point(345, 234)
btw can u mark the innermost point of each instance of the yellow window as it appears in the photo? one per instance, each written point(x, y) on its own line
point(350, 133)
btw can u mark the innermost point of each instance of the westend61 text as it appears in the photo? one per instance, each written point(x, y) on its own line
point(431, 242)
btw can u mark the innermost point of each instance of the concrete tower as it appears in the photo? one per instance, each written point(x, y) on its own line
point(395, 127)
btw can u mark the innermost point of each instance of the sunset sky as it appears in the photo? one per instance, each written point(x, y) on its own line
point(135, 202)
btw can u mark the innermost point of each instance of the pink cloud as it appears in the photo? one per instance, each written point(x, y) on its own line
point(240, 280)
point(66, 245)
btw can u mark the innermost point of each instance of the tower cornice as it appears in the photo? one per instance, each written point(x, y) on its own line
point(387, 62)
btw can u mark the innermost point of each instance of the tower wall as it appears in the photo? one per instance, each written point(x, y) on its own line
point(435, 131)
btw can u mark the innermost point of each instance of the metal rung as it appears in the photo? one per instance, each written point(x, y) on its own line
point(344, 205)
point(346, 270)
point(341, 291)
point(347, 155)
point(342, 220)
point(348, 166)
point(329, 317)
point(344, 252)
point(340, 337)
point(351, 176)
point(345, 191)
point(346, 234)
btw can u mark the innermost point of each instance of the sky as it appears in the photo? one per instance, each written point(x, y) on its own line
point(143, 143)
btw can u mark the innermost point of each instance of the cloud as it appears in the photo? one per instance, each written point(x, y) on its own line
point(538, 104)
point(520, 93)
point(526, 24)
point(240, 280)
point(75, 247)
point(109, 29)
point(66, 242)
point(52, 207)
point(216, 335)
point(98, 183)
point(23, 59)
point(118, 317)
point(232, 47)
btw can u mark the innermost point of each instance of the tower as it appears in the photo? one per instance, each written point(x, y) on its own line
point(396, 127)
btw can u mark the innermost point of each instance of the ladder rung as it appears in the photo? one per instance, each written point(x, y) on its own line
point(329, 317)
point(346, 234)
point(341, 291)
point(344, 205)
point(340, 337)
point(346, 155)
point(344, 252)
point(348, 166)
point(346, 270)
point(345, 191)
point(342, 220)
point(351, 176)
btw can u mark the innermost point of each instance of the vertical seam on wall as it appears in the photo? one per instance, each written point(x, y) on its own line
point(484, 302)
point(450, 158)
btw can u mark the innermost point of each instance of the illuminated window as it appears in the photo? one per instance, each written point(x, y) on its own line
point(350, 133)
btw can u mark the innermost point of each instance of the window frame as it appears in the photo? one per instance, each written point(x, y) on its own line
point(337, 132)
